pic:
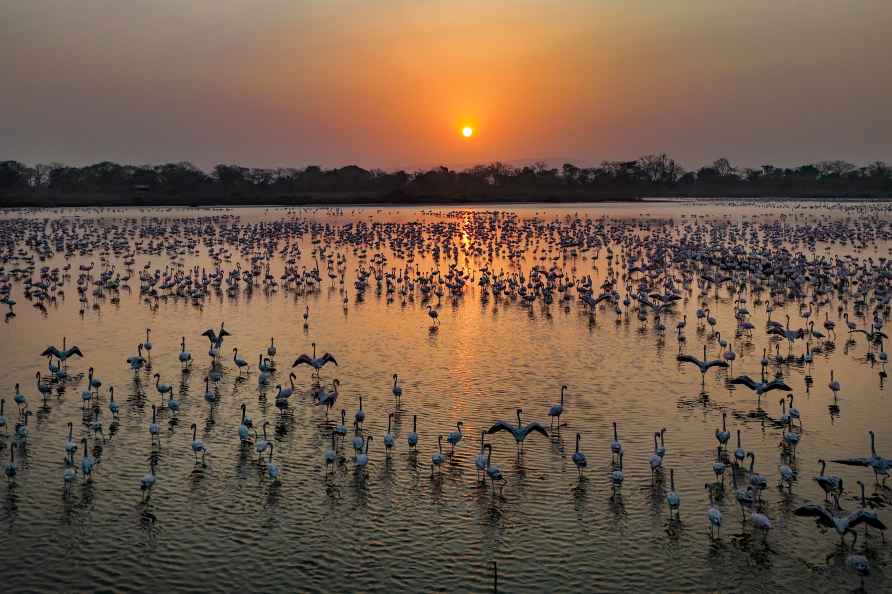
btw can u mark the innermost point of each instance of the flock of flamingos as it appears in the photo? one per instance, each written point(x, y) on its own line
point(648, 270)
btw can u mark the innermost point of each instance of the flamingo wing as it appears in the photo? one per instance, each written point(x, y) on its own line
point(816, 511)
point(212, 336)
point(51, 351)
point(864, 332)
point(73, 351)
point(501, 426)
point(861, 517)
point(746, 381)
point(716, 363)
point(534, 427)
point(327, 357)
point(777, 385)
point(853, 462)
point(689, 359)
point(778, 330)
point(223, 333)
point(303, 359)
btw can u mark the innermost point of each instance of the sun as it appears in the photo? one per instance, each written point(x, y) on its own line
point(467, 131)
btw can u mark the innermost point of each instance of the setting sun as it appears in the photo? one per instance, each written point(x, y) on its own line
point(467, 131)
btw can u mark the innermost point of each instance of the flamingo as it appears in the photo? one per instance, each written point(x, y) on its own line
point(185, 356)
point(661, 450)
point(87, 462)
point(616, 476)
point(62, 355)
point(830, 484)
point(148, 480)
point(397, 390)
point(758, 482)
point(760, 387)
point(519, 431)
point(137, 362)
point(261, 445)
point(871, 514)
point(481, 458)
point(834, 384)
point(154, 427)
point(362, 460)
point(673, 498)
point(434, 316)
point(438, 458)
point(761, 522)
point(330, 456)
point(724, 435)
point(70, 444)
point(412, 439)
point(162, 388)
point(493, 471)
point(703, 365)
point(21, 428)
point(713, 515)
point(341, 430)
point(358, 441)
point(616, 447)
point(197, 445)
point(93, 382)
point(557, 410)
point(842, 525)
point(578, 457)
point(69, 474)
point(455, 436)
point(880, 466)
point(147, 345)
point(239, 361)
point(272, 470)
point(287, 391)
point(328, 399)
point(112, 405)
point(244, 428)
point(739, 453)
point(389, 439)
point(10, 468)
point(317, 363)
point(359, 417)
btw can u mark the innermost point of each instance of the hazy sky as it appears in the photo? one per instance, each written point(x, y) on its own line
point(389, 83)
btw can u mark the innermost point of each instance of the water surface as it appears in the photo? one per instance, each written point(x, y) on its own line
point(395, 528)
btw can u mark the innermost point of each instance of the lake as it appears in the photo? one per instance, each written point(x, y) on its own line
point(399, 525)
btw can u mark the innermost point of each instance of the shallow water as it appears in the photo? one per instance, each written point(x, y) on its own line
point(226, 526)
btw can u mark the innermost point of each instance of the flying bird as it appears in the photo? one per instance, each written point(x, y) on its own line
point(519, 431)
point(841, 524)
point(760, 387)
point(315, 362)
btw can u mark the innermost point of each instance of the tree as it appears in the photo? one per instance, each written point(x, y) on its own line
point(13, 175)
point(570, 173)
point(834, 168)
point(659, 169)
point(723, 167)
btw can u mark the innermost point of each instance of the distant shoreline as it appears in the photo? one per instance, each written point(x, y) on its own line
point(360, 199)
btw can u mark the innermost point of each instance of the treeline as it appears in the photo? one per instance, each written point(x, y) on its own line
point(650, 175)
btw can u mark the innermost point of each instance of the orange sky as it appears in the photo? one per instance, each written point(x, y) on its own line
point(390, 83)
